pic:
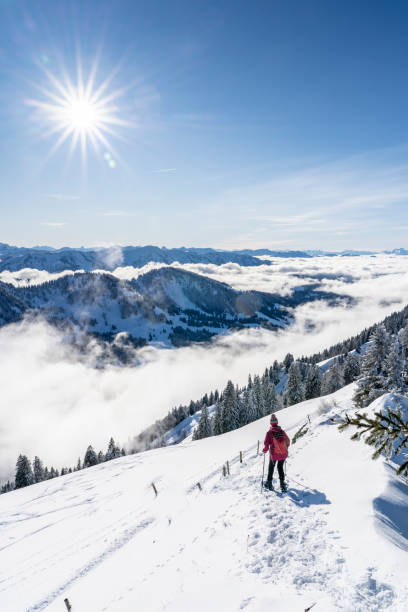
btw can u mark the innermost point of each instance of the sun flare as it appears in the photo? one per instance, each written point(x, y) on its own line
point(78, 112)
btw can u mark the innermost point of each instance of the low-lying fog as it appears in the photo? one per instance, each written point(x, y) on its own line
point(53, 405)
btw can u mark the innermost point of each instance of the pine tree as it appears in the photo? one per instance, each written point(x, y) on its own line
point(276, 402)
point(287, 362)
point(332, 379)
point(78, 465)
point(38, 470)
point(372, 382)
point(243, 408)
point(230, 416)
point(90, 457)
point(395, 368)
point(387, 433)
point(351, 370)
point(101, 457)
point(24, 473)
point(250, 384)
point(258, 397)
point(313, 382)
point(217, 423)
point(271, 401)
point(6, 487)
point(113, 451)
point(204, 429)
point(294, 389)
point(403, 338)
point(250, 408)
point(275, 372)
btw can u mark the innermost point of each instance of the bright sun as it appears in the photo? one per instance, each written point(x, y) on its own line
point(79, 112)
point(81, 115)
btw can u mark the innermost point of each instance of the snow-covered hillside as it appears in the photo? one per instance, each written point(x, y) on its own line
point(166, 305)
point(101, 538)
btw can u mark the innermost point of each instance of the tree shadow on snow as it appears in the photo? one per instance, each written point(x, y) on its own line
point(391, 513)
point(307, 497)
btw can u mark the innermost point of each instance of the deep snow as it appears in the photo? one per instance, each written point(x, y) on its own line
point(101, 538)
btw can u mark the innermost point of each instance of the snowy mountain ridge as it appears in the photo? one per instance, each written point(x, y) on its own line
point(101, 538)
point(108, 258)
point(54, 260)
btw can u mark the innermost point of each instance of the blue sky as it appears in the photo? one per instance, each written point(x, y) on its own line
point(246, 124)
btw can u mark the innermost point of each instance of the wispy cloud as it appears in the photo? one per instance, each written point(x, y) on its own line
point(61, 196)
point(117, 213)
point(164, 170)
point(113, 213)
point(312, 196)
point(53, 223)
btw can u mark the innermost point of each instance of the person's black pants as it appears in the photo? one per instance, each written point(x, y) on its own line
point(280, 470)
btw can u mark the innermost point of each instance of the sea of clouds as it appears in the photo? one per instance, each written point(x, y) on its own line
point(53, 403)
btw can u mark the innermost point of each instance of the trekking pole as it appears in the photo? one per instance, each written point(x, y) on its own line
point(263, 472)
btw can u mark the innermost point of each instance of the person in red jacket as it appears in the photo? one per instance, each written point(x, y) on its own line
point(277, 442)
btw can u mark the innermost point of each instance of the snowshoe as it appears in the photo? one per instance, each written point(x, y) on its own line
point(284, 487)
point(268, 485)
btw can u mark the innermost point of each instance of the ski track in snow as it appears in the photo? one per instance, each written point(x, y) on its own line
point(230, 547)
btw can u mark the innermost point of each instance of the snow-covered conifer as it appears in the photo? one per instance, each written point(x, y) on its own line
point(113, 451)
point(395, 367)
point(258, 397)
point(372, 381)
point(287, 362)
point(204, 429)
point(90, 458)
point(313, 382)
point(333, 379)
point(351, 369)
point(294, 388)
point(230, 415)
point(24, 473)
point(217, 423)
point(276, 372)
point(38, 470)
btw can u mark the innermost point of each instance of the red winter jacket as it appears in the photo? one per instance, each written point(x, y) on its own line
point(277, 441)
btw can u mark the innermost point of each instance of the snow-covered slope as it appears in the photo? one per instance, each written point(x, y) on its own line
point(101, 538)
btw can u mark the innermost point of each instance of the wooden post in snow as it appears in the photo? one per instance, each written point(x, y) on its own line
point(66, 602)
point(257, 450)
point(240, 456)
point(199, 486)
point(228, 472)
point(154, 489)
point(224, 471)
